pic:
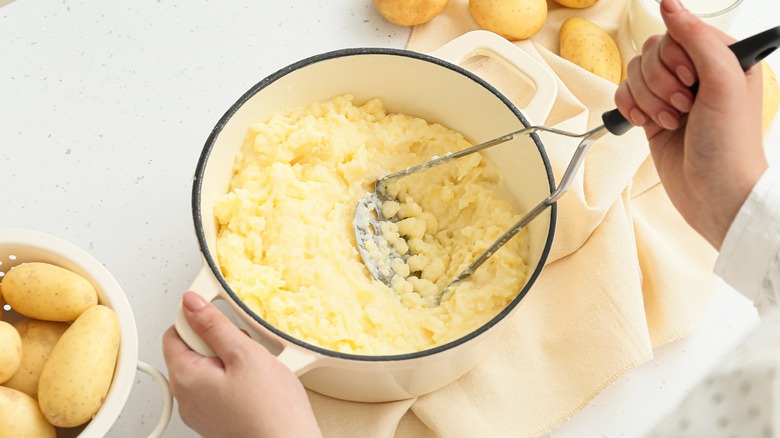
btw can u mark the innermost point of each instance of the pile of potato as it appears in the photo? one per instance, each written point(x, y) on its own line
point(56, 366)
point(582, 42)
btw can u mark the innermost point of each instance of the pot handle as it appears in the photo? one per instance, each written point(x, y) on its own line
point(485, 43)
point(165, 418)
point(297, 360)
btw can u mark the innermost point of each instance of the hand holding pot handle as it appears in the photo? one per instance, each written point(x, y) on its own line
point(243, 391)
point(206, 286)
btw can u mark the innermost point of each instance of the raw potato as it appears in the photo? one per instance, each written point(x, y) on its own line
point(48, 292)
point(512, 19)
point(409, 12)
point(771, 95)
point(589, 46)
point(10, 351)
point(76, 378)
point(576, 4)
point(38, 340)
point(20, 416)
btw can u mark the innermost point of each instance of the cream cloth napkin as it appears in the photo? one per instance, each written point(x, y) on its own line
point(626, 273)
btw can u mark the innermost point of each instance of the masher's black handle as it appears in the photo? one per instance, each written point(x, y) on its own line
point(749, 52)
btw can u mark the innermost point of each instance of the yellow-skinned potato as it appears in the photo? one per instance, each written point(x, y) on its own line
point(512, 19)
point(771, 95)
point(409, 12)
point(38, 340)
point(47, 292)
point(20, 416)
point(589, 46)
point(576, 4)
point(10, 351)
point(76, 378)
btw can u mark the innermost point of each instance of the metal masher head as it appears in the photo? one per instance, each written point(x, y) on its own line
point(378, 252)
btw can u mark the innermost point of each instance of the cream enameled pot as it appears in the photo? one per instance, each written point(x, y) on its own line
point(435, 88)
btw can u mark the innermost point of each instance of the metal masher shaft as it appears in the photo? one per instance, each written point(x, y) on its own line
point(568, 176)
point(382, 182)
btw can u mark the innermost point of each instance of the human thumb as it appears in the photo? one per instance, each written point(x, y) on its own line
point(208, 322)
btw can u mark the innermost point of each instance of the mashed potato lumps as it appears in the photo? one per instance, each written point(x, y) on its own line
point(287, 247)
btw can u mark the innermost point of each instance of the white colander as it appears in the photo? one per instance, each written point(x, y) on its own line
point(19, 246)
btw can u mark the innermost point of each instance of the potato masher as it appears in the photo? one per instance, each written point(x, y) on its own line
point(378, 254)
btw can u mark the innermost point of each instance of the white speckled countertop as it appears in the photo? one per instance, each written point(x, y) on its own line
point(105, 106)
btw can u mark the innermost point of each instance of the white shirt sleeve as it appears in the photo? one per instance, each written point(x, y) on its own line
point(749, 259)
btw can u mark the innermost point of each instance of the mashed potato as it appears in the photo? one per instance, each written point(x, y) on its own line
point(287, 247)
